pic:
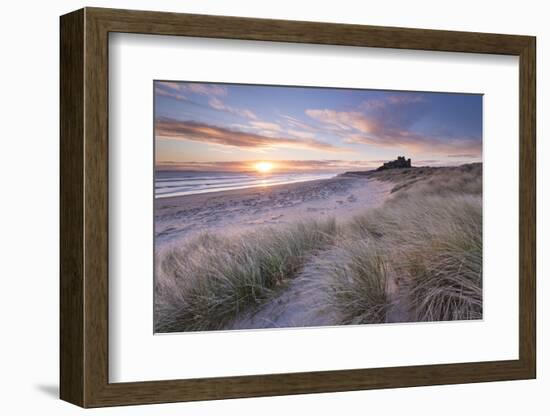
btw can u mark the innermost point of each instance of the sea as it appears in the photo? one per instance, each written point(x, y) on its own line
point(179, 183)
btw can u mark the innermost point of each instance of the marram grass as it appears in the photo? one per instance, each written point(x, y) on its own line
point(419, 254)
point(205, 284)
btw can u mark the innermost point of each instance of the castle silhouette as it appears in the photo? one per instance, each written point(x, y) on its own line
point(400, 162)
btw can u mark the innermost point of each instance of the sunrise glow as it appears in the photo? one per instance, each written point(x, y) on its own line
point(266, 129)
point(263, 167)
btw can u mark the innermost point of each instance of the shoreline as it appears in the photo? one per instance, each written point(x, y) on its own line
point(353, 266)
point(238, 188)
point(241, 190)
point(229, 211)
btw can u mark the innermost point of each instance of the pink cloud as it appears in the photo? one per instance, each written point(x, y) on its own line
point(219, 105)
point(405, 99)
point(280, 165)
point(387, 124)
point(181, 90)
point(344, 120)
point(265, 125)
point(295, 123)
point(206, 89)
point(172, 93)
point(301, 134)
point(202, 132)
point(417, 143)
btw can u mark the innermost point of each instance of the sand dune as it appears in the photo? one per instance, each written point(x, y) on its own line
point(397, 246)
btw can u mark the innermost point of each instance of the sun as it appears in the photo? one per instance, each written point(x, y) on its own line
point(264, 167)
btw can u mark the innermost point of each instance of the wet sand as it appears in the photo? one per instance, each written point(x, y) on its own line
point(178, 218)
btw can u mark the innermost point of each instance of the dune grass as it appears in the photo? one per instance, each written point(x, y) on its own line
point(419, 254)
point(208, 282)
point(429, 236)
point(433, 244)
point(464, 179)
point(355, 280)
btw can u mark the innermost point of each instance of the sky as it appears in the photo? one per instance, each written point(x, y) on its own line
point(235, 127)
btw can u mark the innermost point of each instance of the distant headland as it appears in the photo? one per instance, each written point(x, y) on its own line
point(399, 163)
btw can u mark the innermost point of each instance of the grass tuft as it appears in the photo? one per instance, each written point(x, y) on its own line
point(207, 283)
point(353, 279)
point(417, 258)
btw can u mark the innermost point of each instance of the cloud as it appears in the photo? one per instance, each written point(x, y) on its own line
point(389, 123)
point(465, 156)
point(206, 89)
point(344, 120)
point(391, 100)
point(295, 123)
point(428, 162)
point(265, 125)
point(219, 105)
point(272, 129)
point(301, 134)
point(407, 98)
point(201, 132)
point(182, 90)
point(418, 143)
point(279, 165)
point(172, 93)
point(166, 84)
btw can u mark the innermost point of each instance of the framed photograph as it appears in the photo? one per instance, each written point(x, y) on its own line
point(257, 207)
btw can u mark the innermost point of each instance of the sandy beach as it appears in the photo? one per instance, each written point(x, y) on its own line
point(253, 258)
point(178, 218)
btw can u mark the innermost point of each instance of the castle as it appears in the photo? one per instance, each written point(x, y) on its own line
point(400, 162)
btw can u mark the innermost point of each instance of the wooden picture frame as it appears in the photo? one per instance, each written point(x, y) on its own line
point(84, 207)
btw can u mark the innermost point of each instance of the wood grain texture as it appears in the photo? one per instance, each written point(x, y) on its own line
point(225, 27)
point(84, 207)
point(71, 208)
point(527, 207)
point(96, 208)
